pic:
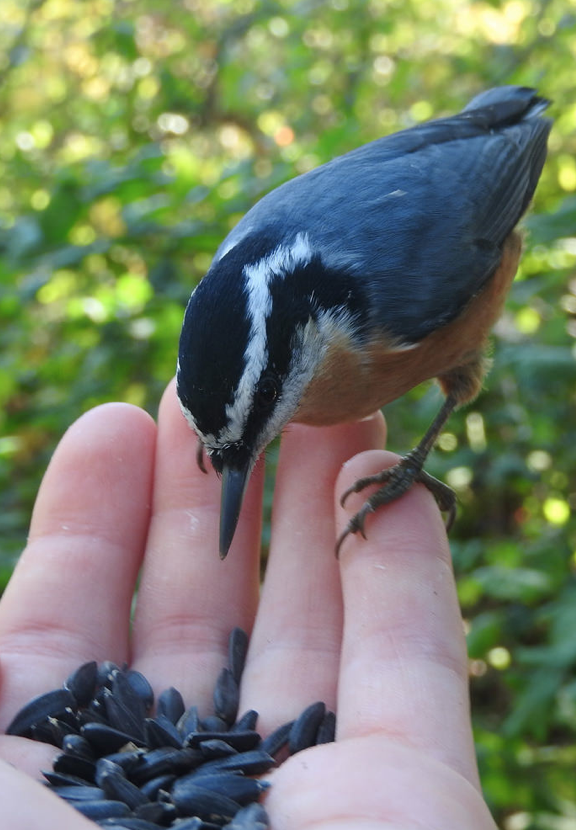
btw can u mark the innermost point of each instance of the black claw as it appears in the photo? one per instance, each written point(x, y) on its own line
point(343, 535)
point(200, 457)
point(395, 482)
point(450, 518)
point(345, 495)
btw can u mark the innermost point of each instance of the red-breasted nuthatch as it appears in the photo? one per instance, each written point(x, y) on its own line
point(347, 286)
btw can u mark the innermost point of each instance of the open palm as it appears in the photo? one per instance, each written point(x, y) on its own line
point(376, 635)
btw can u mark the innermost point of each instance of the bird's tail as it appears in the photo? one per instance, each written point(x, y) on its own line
point(509, 103)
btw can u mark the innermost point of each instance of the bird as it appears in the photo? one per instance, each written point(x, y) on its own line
point(347, 286)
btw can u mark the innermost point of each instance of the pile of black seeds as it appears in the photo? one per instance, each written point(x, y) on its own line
point(125, 768)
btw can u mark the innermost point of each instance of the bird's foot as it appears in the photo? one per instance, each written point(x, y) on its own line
point(396, 481)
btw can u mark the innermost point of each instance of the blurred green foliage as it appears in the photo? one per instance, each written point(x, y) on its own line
point(133, 134)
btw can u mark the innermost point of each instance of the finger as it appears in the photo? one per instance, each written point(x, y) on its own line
point(189, 600)
point(295, 647)
point(372, 783)
point(28, 756)
point(403, 667)
point(26, 803)
point(69, 598)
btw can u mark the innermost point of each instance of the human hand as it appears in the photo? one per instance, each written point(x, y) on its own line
point(376, 635)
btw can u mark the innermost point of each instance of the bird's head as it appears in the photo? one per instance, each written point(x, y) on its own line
point(253, 336)
point(247, 350)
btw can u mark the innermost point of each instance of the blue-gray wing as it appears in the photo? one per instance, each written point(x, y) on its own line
point(419, 218)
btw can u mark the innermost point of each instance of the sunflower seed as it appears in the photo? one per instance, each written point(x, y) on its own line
point(114, 823)
point(216, 749)
point(127, 760)
point(118, 788)
point(226, 696)
point(70, 717)
point(130, 823)
point(238, 787)
point(82, 683)
point(60, 779)
point(124, 708)
point(130, 771)
point(106, 739)
point(72, 765)
point(247, 722)
point(160, 731)
point(278, 739)
point(212, 723)
point(305, 727)
point(154, 785)
point(88, 715)
point(189, 722)
point(327, 729)
point(237, 650)
point(85, 793)
point(170, 704)
point(159, 812)
point(98, 705)
point(142, 688)
point(124, 692)
point(241, 741)
point(194, 800)
point(40, 708)
point(165, 761)
point(253, 762)
point(102, 809)
point(106, 672)
point(51, 731)
point(79, 746)
point(105, 766)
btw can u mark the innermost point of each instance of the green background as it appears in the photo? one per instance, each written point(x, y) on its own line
point(133, 135)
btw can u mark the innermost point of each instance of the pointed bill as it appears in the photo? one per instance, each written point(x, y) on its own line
point(234, 482)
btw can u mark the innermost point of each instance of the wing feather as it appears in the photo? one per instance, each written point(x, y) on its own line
point(419, 217)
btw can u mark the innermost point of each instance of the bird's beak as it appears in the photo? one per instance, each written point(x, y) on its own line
point(234, 483)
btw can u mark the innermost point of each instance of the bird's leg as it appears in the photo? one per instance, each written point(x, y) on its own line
point(398, 479)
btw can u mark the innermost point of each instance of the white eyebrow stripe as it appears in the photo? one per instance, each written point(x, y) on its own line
point(257, 279)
